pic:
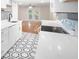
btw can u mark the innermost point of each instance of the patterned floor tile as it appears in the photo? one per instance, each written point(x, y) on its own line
point(24, 48)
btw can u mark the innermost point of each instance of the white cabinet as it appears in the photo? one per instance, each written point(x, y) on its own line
point(57, 6)
point(14, 34)
point(17, 32)
point(9, 2)
point(9, 36)
point(4, 41)
point(3, 3)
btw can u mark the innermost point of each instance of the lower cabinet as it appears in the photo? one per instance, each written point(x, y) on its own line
point(9, 36)
point(4, 41)
point(14, 34)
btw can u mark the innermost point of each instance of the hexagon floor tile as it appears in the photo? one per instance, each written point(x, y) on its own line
point(24, 48)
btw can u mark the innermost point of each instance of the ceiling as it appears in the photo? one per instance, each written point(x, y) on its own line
point(27, 2)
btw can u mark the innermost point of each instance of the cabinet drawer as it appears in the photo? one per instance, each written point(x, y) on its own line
point(4, 37)
point(4, 41)
point(4, 48)
point(2, 51)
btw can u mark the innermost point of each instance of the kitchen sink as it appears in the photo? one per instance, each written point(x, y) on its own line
point(53, 29)
point(13, 21)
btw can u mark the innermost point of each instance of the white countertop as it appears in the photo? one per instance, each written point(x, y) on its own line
point(5, 24)
point(54, 23)
point(56, 46)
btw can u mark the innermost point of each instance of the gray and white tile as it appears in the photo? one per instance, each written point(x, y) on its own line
point(24, 48)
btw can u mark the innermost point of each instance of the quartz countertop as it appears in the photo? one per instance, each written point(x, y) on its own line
point(5, 24)
point(56, 46)
point(55, 23)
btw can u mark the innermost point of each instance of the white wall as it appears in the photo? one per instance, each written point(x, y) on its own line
point(44, 12)
point(64, 6)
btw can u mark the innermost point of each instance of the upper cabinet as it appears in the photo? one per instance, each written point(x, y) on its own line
point(4, 3)
point(9, 2)
point(60, 6)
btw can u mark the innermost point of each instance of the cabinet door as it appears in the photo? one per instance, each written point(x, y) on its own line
point(14, 34)
point(3, 3)
point(11, 36)
point(4, 41)
point(17, 31)
point(9, 2)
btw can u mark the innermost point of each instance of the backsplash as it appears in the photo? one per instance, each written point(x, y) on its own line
point(73, 16)
point(69, 20)
point(65, 15)
point(5, 15)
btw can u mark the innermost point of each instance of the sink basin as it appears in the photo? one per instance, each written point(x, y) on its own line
point(13, 21)
point(53, 29)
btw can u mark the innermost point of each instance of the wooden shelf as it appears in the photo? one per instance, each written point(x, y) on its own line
point(70, 0)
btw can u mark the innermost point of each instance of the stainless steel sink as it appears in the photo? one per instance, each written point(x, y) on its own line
point(53, 29)
point(13, 21)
